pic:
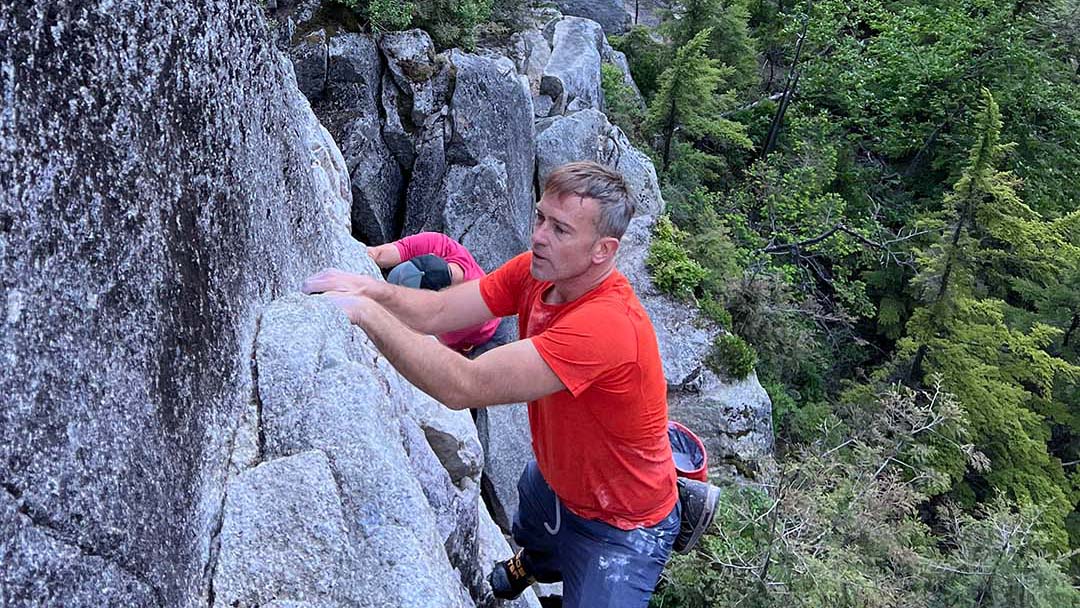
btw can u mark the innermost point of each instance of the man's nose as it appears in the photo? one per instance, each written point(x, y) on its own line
point(538, 235)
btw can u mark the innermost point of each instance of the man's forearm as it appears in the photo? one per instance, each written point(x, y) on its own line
point(416, 308)
point(430, 366)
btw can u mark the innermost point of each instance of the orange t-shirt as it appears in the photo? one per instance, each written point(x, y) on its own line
point(602, 444)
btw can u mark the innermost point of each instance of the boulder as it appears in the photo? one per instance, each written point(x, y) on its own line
point(417, 71)
point(733, 419)
point(504, 433)
point(184, 164)
point(573, 71)
point(587, 135)
point(283, 534)
point(492, 547)
point(480, 214)
point(531, 52)
point(610, 14)
point(473, 173)
point(491, 116)
point(320, 390)
point(454, 504)
point(309, 58)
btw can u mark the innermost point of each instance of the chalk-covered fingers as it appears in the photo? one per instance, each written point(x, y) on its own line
point(332, 279)
point(353, 305)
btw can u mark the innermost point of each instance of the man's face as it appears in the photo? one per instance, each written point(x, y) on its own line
point(564, 236)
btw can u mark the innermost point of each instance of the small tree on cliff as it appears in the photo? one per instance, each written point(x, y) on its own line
point(688, 106)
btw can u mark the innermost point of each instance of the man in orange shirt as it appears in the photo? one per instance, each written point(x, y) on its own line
point(600, 507)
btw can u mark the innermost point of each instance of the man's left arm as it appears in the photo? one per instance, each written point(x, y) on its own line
point(385, 256)
point(511, 373)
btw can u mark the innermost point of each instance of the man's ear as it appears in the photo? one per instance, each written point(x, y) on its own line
point(605, 249)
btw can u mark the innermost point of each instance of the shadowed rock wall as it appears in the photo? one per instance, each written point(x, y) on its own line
point(156, 185)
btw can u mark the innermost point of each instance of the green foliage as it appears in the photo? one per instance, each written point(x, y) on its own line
point(672, 269)
point(731, 357)
point(389, 14)
point(646, 57)
point(715, 311)
point(688, 105)
point(621, 104)
point(995, 372)
point(729, 40)
point(892, 235)
point(839, 528)
point(998, 561)
point(383, 15)
point(903, 78)
point(989, 237)
point(452, 22)
point(779, 323)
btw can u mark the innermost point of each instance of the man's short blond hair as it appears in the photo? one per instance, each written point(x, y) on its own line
point(587, 179)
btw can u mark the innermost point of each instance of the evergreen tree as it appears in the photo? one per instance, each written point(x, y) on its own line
point(999, 373)
point(688, 105)
point(729, 38)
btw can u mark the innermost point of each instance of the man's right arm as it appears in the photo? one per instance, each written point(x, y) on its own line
point(426, 311)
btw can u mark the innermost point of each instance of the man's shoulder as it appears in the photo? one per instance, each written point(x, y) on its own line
point(517, 267)
point(617, 292)
point(613, 308)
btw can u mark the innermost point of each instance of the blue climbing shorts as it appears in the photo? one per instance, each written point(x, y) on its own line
point(599, 565)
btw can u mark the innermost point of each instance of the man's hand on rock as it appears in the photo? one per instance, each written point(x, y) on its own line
point(332, 279)
point(354, 306)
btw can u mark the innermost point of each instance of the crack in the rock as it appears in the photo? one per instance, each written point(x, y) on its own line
point(689, 384)
point(260, 434)
point(379, 375)
point(467, 229)
point(43, 524)
point(215, 533)
point(215, 549)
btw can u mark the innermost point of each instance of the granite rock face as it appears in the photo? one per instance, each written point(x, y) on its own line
point(472, 177)
point(350, 107)
point(322, 388)
point(179, 428)
point(587, 135)
point(610, 14)
point(504, 432)
point(572, 76)
point(157, 187)
point(283, 534)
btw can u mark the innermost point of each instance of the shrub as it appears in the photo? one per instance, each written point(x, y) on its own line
point(452, 22)
point(621, 103)
point(383, 15)
point(646, 56)
point(839, 527)
point(672, 269)
point(715, 311)
point(731, 356)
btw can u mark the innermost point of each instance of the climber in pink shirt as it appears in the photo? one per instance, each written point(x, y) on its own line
point(431, 260)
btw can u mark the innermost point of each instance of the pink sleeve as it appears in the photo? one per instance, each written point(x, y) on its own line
point(425, 243)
